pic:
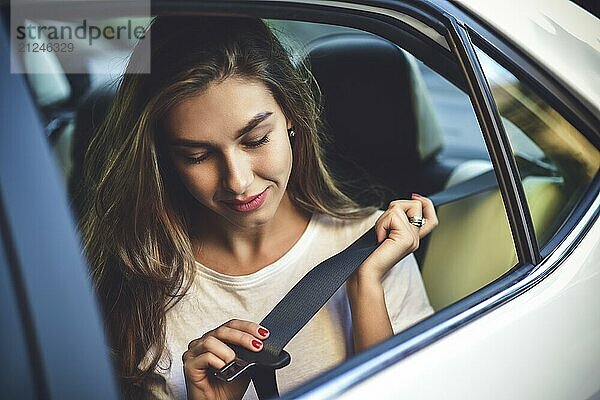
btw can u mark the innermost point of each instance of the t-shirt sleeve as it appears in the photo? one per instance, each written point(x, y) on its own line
point(405, 296)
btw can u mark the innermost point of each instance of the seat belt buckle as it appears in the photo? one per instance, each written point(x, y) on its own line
point(238, 366)
point(233, 369)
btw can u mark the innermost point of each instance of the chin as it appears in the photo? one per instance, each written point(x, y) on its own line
point(249, 220)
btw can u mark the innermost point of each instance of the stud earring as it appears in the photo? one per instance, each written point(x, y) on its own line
point(291, 133)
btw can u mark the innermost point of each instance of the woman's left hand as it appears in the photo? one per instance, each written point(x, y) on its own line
point(397, 237)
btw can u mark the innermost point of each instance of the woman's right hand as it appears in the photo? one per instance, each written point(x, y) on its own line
point(211, 352)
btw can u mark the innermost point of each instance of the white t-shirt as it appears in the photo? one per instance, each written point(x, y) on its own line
point(326, 340)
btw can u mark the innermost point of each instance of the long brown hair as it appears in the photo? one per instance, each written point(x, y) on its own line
point(134, 218)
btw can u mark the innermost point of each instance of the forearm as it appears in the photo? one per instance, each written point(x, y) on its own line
point(370, 320)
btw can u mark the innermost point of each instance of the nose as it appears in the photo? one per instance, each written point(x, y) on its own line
point(237, 174)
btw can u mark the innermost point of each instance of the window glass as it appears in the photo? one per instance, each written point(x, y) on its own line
point(456, 118)
point(556, 162)
point(394, 126)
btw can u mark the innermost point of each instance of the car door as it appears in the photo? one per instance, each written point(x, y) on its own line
point(52, 337)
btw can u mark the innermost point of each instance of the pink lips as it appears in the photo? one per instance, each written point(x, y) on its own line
point(248, 204)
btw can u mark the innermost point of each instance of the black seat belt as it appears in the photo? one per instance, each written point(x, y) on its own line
point(307, 297)
point(478, 184)
point(293, 312)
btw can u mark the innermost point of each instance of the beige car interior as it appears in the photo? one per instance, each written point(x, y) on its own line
point(478, 226)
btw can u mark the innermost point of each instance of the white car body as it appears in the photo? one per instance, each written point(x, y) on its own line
point(561, 36)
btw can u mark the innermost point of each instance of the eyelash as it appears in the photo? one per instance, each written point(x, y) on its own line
point(197, 160)
point(257, 143)
point(252, 145)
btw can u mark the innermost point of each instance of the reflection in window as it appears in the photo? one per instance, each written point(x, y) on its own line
point(556, 162)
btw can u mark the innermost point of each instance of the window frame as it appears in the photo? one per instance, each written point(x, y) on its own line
point(562, 100)
point(551, 89)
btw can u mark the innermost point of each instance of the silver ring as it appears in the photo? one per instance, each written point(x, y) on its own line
point(417, 221)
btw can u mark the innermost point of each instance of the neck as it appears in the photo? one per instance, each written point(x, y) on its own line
point(235, 250)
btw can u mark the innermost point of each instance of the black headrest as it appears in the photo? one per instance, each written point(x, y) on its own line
point(366, 85)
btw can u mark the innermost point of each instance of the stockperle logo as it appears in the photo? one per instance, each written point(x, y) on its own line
point(75, 36)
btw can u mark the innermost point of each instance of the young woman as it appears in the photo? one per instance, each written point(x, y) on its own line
point(206, 199)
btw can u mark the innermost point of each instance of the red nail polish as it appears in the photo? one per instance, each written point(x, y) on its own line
point(416, 195)
point(257, 344)
point(263, 332)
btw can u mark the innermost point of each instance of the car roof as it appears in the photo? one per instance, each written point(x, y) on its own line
point(559, 34)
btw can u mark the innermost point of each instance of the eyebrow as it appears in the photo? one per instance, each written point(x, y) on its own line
point(253, 123)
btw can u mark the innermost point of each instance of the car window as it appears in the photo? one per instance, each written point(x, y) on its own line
point(456, 118)
point(556, 162)
point(423, 138)
point(462, 255)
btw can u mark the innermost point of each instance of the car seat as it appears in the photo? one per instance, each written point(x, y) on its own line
point(377, 114)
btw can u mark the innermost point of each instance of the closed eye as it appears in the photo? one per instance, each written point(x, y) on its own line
point(197, 159)
point(257, 143)
point(251, 144)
